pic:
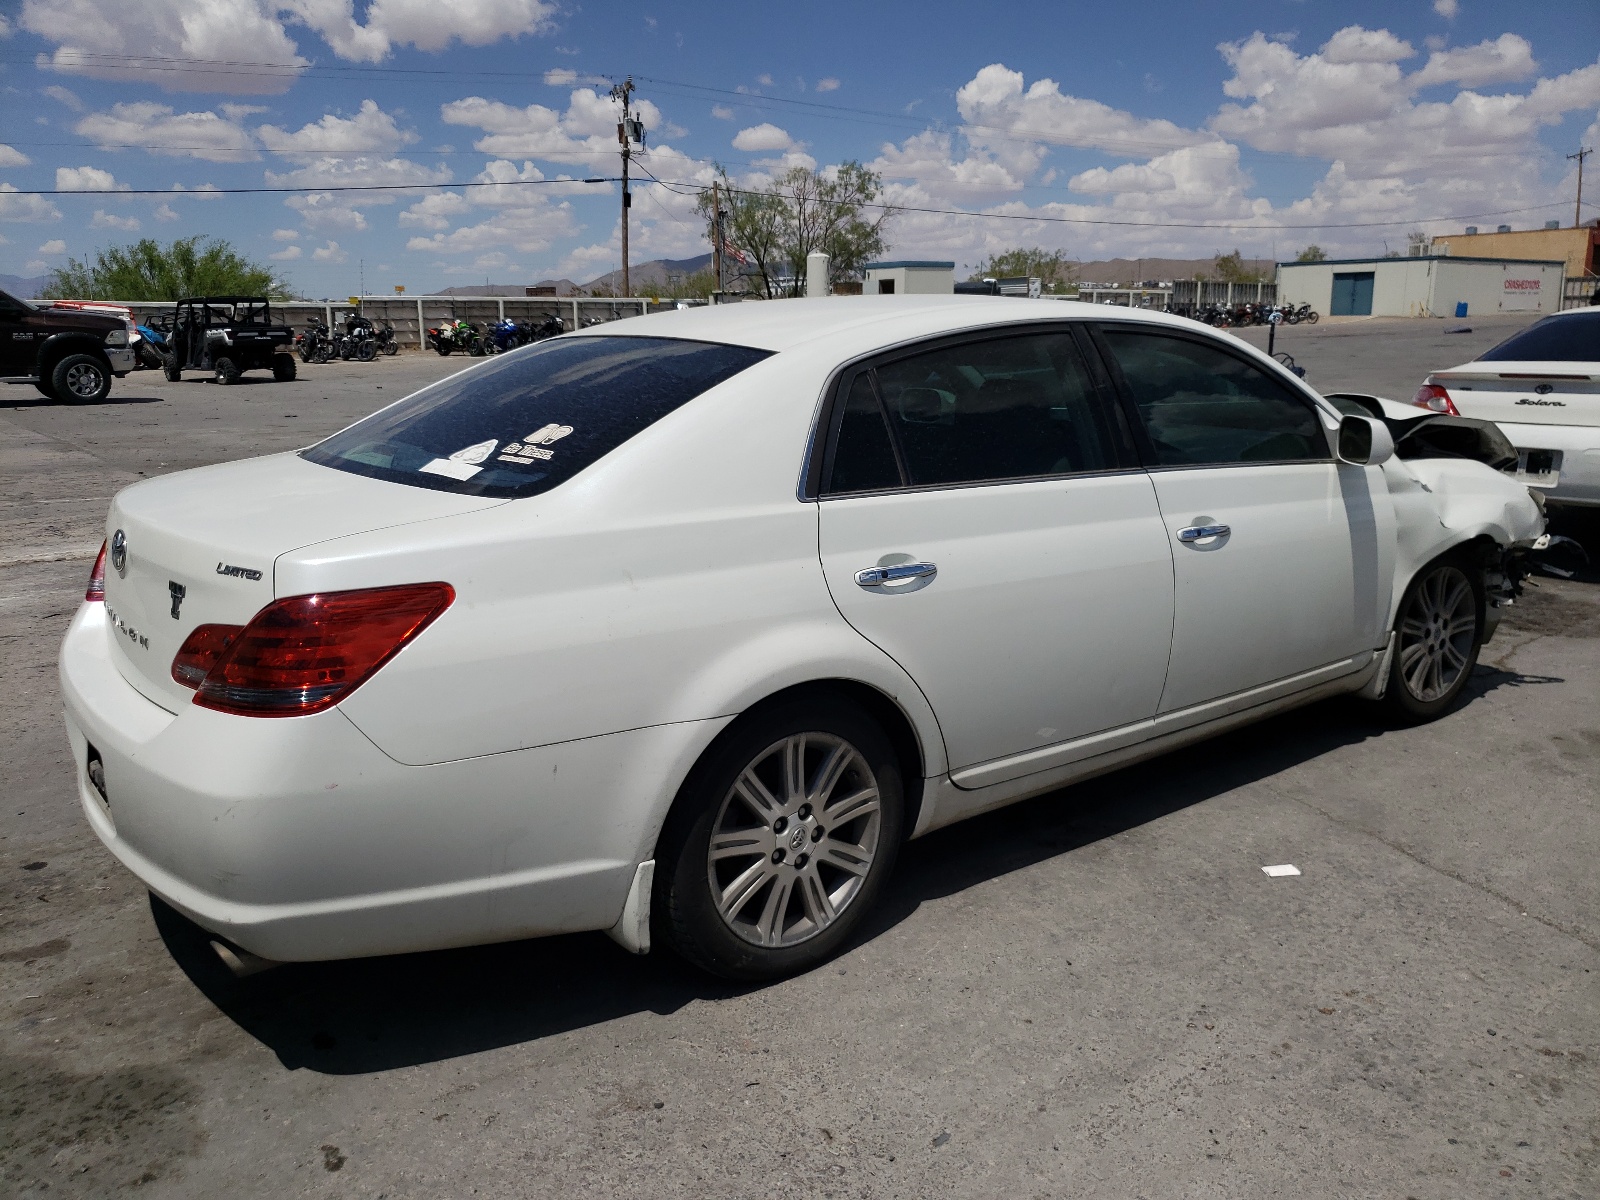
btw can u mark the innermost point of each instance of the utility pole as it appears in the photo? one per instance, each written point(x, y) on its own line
point(1577, 210)
point(716, 233)
point(629, 130)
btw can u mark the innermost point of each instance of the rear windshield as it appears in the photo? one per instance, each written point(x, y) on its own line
point(1554, 339)
point(534, 418)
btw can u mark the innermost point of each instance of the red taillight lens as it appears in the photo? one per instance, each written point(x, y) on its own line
point(304, 653)
point(1435, 399)
point(97, 577)
point(200, 652)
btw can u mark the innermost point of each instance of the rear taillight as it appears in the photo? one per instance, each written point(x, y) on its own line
point(97, 577)
point(1435, 399)
point(200, 652)
point(305, 653)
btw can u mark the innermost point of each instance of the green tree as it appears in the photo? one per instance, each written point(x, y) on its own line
point(1231, 268)
point(803, 212)
point(147, 270)
point(1050, 267)
point(1312, 253)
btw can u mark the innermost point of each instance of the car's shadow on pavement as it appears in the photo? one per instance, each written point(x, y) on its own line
point(364, 1015)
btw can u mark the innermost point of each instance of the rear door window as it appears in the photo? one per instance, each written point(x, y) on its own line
point(1554, 339)
point(978, 411)
point(1201, 406)
point(533, 419)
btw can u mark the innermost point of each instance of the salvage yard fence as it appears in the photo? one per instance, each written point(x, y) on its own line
point(411, 316)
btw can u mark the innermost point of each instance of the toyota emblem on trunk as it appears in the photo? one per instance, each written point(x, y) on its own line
point(119, 552)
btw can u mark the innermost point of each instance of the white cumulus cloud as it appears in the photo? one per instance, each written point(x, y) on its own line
point(1506, 59)
point(765, 136)
point(287, 254)
point(161, 130)
point(329, 253)
point(105, 220)
point(53, 246)
point(12, 157)
point(87, 179)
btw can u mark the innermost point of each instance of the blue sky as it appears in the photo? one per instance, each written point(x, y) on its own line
point(1139, 129)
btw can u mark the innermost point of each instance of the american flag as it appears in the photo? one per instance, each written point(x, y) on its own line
point(733, 252)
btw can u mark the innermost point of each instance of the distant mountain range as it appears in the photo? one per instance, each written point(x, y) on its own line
point(24, 287)
point(645, 277)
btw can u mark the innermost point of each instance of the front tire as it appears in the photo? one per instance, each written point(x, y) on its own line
point(781, 840)
point(1438, 632)
point(227, 371)
point(80, 379)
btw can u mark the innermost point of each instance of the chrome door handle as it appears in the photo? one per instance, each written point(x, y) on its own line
point(877, 576)
point(1194, 533)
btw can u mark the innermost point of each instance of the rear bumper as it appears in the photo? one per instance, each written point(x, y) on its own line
point(1580, 458)
point(123, 360)
point(297, 839)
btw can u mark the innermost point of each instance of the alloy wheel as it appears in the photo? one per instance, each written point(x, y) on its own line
point(794, 839)
point(1437, 633)
point(84, 380)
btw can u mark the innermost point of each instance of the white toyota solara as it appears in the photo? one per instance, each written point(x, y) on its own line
point(1542, 387)
point(678, 627)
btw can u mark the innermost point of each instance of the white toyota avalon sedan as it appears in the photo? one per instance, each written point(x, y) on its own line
point(678, 627)
point(1542, 387)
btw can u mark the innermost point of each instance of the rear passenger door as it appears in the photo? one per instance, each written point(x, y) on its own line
point(1277, 548)
point(983, 520)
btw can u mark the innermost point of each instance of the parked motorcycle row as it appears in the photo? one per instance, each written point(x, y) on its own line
point(1223, 316)
point(450, 337)
point(360, 340)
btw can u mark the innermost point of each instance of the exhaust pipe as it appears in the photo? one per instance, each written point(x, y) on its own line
point(241, 962)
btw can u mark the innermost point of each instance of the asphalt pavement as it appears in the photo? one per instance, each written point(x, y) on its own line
point(1096, 993)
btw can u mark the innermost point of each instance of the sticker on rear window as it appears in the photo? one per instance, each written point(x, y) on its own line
point(533, 446)
point(463, 464)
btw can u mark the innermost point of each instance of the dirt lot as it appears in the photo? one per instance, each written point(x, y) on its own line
point(1097, 993)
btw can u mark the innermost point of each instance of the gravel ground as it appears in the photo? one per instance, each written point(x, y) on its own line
point(1094, 993)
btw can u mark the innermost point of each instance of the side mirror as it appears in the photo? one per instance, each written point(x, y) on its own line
point(1364, 442)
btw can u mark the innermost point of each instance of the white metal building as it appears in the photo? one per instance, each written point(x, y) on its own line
point(910, 278)
point(1425, 286)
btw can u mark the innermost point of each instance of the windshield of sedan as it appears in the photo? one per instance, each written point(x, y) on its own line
point(534, 418)
point(1573, 338)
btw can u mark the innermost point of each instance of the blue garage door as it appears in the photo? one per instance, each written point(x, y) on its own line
point(1352, 294)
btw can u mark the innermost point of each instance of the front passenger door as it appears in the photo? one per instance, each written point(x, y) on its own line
point(1278, 558)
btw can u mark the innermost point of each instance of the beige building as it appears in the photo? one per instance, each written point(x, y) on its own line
point(1580, 247)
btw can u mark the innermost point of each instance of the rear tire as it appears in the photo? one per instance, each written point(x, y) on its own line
point(80, 379)
point(781, 840)
point(1437, 634)
point(391, 347)
point(283, 368)
point(227, 371)
point(367, 351)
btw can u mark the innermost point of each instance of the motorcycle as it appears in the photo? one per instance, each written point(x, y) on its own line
point(548, 326)
point(1306, 313)
point(385, 340)
point(313, 343)
point(456, 335)
point(505, 335)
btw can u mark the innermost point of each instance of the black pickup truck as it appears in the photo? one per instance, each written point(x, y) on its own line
point(69, 354)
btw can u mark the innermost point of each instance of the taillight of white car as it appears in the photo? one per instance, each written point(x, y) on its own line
point(1435, 399)
point(303, 654)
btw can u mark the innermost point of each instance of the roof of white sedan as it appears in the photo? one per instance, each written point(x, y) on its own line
point(781, 324)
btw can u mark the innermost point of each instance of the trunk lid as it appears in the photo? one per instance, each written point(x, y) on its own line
point(198, 547)
point(1525, 393)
